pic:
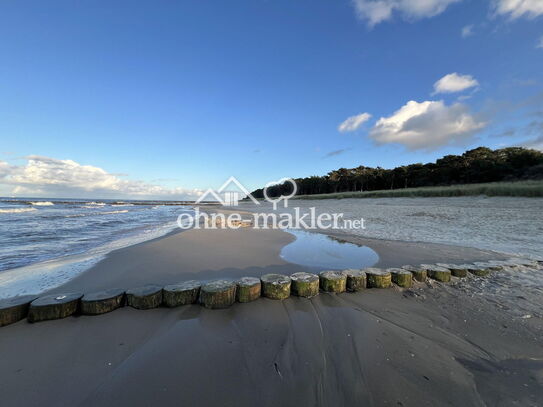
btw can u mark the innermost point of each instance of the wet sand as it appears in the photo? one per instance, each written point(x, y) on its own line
point(431, 345)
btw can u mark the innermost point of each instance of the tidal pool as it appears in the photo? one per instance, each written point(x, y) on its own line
point(321, 251)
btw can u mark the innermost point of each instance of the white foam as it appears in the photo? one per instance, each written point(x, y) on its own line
point(17, 210)
point(42, 203)
point(39, 277)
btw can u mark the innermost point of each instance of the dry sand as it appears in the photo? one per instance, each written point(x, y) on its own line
point(432, 345)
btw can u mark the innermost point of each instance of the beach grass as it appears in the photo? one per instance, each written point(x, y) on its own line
point(516, 189)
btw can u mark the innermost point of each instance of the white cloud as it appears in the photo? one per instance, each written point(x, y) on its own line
point(519, 8)
point(427, 125)
point(454, 82)
point(377, 11)
point(354, 122)
point(50, 177)
point(467, 31)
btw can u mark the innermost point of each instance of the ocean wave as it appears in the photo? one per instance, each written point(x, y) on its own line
point(113, 212)
point(42, 203)
point(93, 204)
point(17, 210)
point(122, 204)
point(79, 215)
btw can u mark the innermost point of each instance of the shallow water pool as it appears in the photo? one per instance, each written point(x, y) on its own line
point(321, 251)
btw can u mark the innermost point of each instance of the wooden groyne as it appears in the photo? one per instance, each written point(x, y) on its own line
point(224, 293)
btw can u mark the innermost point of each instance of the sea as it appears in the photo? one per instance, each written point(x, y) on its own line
point(46, 242)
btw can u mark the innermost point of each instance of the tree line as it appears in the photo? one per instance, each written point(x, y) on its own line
point(479, 165)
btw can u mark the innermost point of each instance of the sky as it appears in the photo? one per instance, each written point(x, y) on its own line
point(164, 99)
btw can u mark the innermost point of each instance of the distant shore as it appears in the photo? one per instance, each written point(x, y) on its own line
point(433, 344)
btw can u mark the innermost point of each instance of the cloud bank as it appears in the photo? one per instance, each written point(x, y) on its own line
point(454, 82)
point(519, 8)
point(354, 122)
point(427, 125)
point(50, 177)
point(377, 11)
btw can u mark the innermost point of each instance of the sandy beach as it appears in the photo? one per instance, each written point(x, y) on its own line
point(430, 345)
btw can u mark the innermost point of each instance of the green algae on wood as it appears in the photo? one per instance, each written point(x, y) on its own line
point(378, 278)
point(419, 273)
point(276, 286)
point(333, 281)
point(175, 295)
point(146, 297)
point(218, 294)
point(304, 284)
point(401, 277)
point(437, 273)
point(102, 301)
point(478, 270)
point(356, 280)
point(14, 309)
point(54, 306)
point(457, 270)
point(248, 289)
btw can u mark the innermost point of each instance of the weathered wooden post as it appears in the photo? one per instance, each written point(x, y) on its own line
point(54, 306)
point(187, 292)
point(437, 273)
point(305, 284)
point(356, 280)
point(419, 273)
point(146, 297)
point(276, 286)
point(401, 277)
point(478, 270)
point(378, 278)
point(218, 294)
point(102, 301)
point(457, 270)
point(248, 289)
point(14, 309)
point(489, 265)
point(333, 281)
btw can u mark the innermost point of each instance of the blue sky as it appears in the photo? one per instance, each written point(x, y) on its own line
point(140, 98)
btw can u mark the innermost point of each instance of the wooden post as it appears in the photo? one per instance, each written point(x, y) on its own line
point(401, 277)
point(305, 284)
point(146, 297)
point(14, 309)
point(218, 294)
point(102, 301)
point(378, 278)
point(419, 273)
point(356, 280)
point(437, 273)
point(248, 289)
point(54, 306)
point(457, 270)
point(276, 286)
point(489, 265)
point(333, 281)
point(478, 270)
point(184, 293)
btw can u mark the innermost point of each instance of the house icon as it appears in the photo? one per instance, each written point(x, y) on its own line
point(227, 197)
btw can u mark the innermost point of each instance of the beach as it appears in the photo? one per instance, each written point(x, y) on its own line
point(433, 344)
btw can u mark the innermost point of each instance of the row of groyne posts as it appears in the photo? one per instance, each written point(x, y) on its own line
point(224, 293)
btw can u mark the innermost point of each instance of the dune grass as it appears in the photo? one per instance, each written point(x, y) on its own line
point(517, 189)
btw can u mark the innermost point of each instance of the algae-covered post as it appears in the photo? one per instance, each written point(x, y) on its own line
point(356, 280)
point(14, 309)
point(419, 273)
point(378, 278)
point(102, 301)
point(218, 294)
point(147, 297)
point(305, 284)
point(333, 281)
point(437, 273)
point(53, 307)
point(276, 286)
point(401, 277)
point(185, 293)
point(248, 289)
point(457, 270)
